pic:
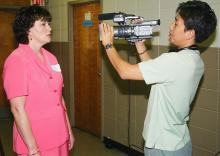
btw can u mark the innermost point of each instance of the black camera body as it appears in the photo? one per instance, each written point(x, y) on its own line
point(128, 30)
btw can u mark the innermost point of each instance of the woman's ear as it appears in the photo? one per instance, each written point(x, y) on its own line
point(29, 35)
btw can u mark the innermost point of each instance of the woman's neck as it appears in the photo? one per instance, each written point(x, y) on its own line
point(37, 49)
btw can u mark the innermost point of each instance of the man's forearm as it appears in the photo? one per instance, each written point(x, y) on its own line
point(124, 69)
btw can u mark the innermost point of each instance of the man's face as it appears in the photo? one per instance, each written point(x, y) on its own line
point(177, 32)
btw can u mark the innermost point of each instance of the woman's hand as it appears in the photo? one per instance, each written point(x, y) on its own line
point(34, 153)
point(71, 137)
point(71, 140)
point(23, 124)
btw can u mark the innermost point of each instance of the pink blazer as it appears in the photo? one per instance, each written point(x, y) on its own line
point(25, 75)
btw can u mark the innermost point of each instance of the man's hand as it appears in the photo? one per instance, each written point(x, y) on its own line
point(137, 21)
point(107, 34)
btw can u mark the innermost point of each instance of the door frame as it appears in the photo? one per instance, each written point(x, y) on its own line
point(9, 8)
point(71, 56)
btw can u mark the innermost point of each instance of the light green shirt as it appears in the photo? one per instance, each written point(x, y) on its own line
point(174, 77)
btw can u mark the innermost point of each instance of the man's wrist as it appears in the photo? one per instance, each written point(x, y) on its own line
point(144, 51)
point(108, 46)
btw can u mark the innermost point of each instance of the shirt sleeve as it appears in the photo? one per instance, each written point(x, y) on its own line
point(158, 70)
point(15, 77)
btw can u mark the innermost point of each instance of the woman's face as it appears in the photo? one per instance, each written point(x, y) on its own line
point(40, 33)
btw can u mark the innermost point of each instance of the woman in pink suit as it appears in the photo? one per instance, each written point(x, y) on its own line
point(33, 83)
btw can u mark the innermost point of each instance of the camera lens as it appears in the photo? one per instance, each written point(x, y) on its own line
point(123, 31)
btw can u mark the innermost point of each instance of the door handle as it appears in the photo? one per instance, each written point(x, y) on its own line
point(99, 74)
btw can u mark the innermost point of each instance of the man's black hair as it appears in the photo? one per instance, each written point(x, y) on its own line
point(198, 16)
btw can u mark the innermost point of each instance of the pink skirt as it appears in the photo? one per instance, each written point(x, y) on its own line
point(59, 151)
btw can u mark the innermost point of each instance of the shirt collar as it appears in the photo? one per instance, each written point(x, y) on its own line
point(32, 55)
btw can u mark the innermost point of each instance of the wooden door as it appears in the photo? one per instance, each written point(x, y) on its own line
point(7, 44)
point(87, 67)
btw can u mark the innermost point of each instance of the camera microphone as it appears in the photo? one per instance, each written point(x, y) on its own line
point(107, 16)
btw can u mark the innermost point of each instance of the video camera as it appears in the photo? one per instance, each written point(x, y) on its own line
point(128, 30)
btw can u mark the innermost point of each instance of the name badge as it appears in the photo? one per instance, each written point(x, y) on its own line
point(56, 68)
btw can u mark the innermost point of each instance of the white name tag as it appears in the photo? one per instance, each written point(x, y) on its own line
point(56, 68)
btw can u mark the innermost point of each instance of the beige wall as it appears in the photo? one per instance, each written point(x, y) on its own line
point(149, 9)
point(59, 11)
point(118, 98)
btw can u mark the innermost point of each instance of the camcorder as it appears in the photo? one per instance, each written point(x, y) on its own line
point(128, 29)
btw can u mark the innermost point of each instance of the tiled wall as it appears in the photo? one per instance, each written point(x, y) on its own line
point(205, 119)
point(124, 100)
point(132, 96)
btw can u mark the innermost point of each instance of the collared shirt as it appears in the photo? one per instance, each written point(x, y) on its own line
point(174, 78)
point(41, 82)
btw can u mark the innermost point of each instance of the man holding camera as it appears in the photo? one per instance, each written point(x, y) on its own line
point(174, 76)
